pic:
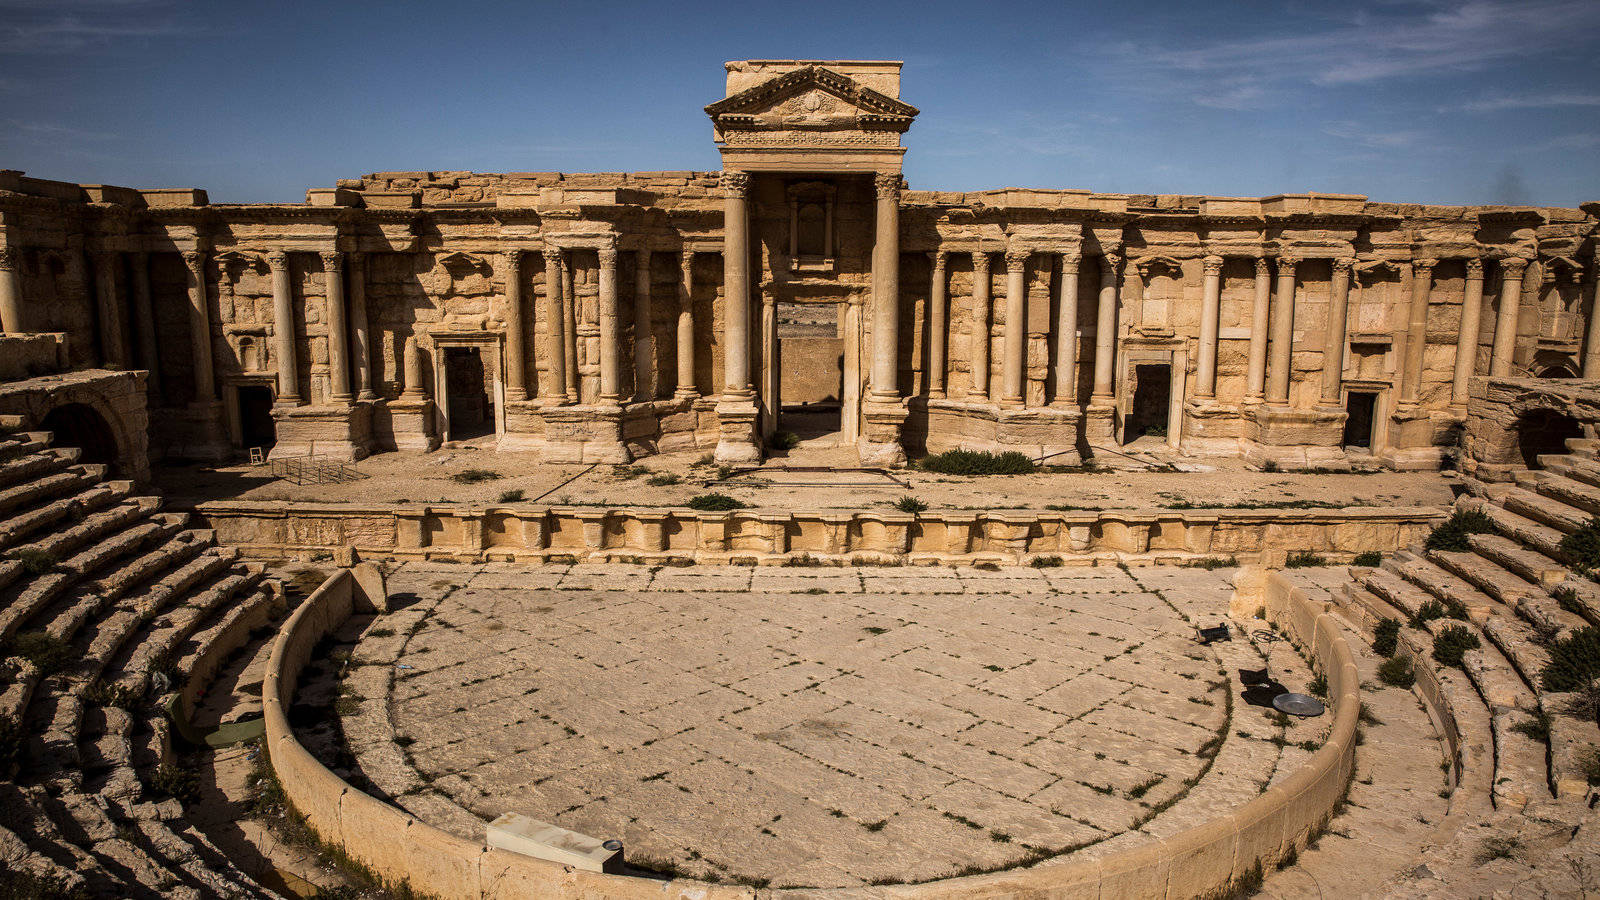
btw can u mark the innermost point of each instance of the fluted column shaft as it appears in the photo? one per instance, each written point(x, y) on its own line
point(10, 290)
point(1210, 318)
point(1505, 325)
point(1333, 341)
point(338, 328)
point(980, 325)
point(736, 284)
point(360, 327)
point(610, 344)
point(685, 388)
point(145, 321)
point(283, 329)
point(1281, 350)
point(1471, 326)
point(1105, 334)
point(938, 327)
point(569, 327)
point(1067, 333)
point(644, 341)
point(886, 290)
point(1016, 326)
point(555, 343)
point(516, 341)
point(1256, 379)
point(200, 327)
point(1417, 330)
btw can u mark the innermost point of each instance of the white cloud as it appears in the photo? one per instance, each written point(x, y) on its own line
point(1498, 102)
point(1369, 137)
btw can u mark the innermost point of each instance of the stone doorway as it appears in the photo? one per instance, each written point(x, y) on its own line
point(469, 411)
point(811, 372)
point(256, 425)
point(1150, 413)
point(1361, 410)
point(1544, 431)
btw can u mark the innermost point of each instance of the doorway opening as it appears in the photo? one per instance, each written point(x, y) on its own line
point(79, 426)
point(1152, 398)
point(811, 371)
point(256, 426)
point(469, 411)
point(1361, 409)
point(1544, 431)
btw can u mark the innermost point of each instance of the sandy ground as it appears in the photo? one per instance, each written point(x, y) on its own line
point(805, 479)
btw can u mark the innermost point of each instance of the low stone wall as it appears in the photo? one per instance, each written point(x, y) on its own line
point(777, 537)
point(1199, 861)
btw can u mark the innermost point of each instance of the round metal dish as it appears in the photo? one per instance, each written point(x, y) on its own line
point(1298, 705)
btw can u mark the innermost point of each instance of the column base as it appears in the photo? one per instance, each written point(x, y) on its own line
point(1413, 439)
point(1212, 429)
point(1297, 438)
point(411, 424)
point(882, 440)
point(737, 441)
point(1100, 423)
point(524, 427)
point(202, 435)
point(341, 433)
point(1048, 433)
point(584, 434)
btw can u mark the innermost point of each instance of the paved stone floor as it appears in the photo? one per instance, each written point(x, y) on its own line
point(816, 726)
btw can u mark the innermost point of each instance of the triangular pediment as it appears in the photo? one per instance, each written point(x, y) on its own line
point(811, 97)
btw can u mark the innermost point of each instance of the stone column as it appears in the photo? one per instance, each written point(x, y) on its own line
point(886, 290)
point(938, 329)
point(1067, 333)
point(1256, 381)
point(283, 329)
point(1281, 350)
point(685, 389)
point(644, 341)
point(360, 327)
point(113, 334)
point(1333, 341)
point(1591, 357)
point(555, 345)
point(11, 290)
point(200, 327)
point(979, 351)
point(338, 328)
point(1471, 327)
point(1505, 325)
point(1105, 337)
point(610, 362)
point(1417, 330)
point(516, 341)
point(1210, 319)
point(569, 328)
point(145, 320)
point(1016, 327)
point(736, 285)
point(415, 389)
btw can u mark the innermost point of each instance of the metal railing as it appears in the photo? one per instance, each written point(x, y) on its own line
point(311, 470)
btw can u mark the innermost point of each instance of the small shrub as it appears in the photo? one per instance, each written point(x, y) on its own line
point(628, 473)
point(1498, 848)
point(662, 479)
point(1567, 599)
point(1451, 534)
point(474, 476)
point(1045, 562)
point(977, 462)
point(116, 694)
point(1319, 686)
point(784, 440)
point(35, 561)
point(1211, 562)
point(11, 738)
point(1304, 559)
point(910, 504)
point(47, 652)
point(1537, 728)
point(1451, 644)
point(516, 496)
point(1396, 671)
point(714, 503)
point(1369, 559)
point(182, 784)
point(1574, 661)
point(1386, 637)
point(1591, 766)
point(1433, 609)
point(1582, 547)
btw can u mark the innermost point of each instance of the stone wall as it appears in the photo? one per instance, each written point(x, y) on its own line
point(117, 398)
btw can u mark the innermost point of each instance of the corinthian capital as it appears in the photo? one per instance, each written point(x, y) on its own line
point(1475, 268)
point(938, 259)
point(513, 256)
point(1287, 264)
point(1213, 265)
point(1343, 265)
point(552, 256)
point(1109, 263)
point(887, 184)
point(686, 259)
point(608, 257)
point(980, 262)
point(278, 260)
point(330, 259)
point(1016, 258)
point(194, 259)
point(1423, 267)
point(1513, 265)
point(1262, 266)
point(735, 184)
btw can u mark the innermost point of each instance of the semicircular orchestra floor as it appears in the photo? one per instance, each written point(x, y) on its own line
point(818, 727)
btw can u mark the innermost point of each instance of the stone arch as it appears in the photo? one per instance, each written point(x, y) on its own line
point(1559, 370)
point(81, 426)
point(1542, 431)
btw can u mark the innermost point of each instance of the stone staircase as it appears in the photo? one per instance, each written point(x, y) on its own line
point(111, 613)
point(1523, 761)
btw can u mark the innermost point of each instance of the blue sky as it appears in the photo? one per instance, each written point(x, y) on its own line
point(1487, 101)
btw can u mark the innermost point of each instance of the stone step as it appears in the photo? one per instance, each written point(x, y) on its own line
point(1365, 607)
point(1572, 747)
point(63, 543)
point(1575, 494)
point(1487, 577)
point(1519, 528)
point(171, 554)
point(123, 543)
point(1395, 591)
point(1543, 509)
point(21, 527)
point(31, 493)
point(35, 466)
point(1531, 566)
point(168, 634)
point(1445, 586)
point(208, 650)
point(1577, 468)
point(1521, 775)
